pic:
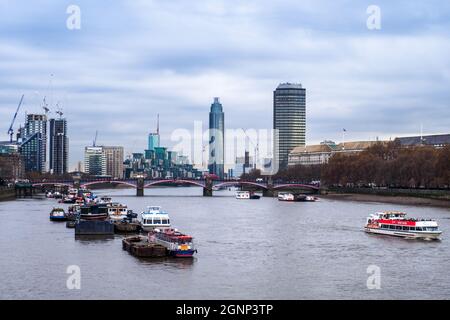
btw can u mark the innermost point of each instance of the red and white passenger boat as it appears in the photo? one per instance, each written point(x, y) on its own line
point(395, 223)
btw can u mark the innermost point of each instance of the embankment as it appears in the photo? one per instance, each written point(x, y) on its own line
point(426, 197)
point(7, 193)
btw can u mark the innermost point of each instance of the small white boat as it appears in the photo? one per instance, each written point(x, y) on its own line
point(104, 200)
point(154, 218)
point(246, 195)
point(395, 223)
point(286, 196)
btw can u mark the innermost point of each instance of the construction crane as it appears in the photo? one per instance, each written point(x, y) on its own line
point(59, 111)
point(45, 106)
point(95, 139)
point(11, 130)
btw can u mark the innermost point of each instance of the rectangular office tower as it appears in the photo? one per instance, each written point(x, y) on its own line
point(216, 139)
point(114, 161)
point(59, 146)
point(289, 120)
point(94, 161)
point(33, 148)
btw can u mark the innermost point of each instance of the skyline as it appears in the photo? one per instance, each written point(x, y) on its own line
point(383, 83)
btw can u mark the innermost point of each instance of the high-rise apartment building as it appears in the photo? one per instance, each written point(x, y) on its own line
point(289, 120)
point(59, 146)
point(33, 148)
point(216, 139)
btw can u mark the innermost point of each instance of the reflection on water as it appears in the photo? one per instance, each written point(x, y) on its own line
point(259, 249)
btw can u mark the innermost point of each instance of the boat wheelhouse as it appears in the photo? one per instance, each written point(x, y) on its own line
point(396, 223)
point(153, 218)
point(104, 200)
point(177, 244)
point(58, 214)
point(117, 211)
point(94, 212)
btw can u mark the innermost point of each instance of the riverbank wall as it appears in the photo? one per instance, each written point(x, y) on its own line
point(428, 197)
point(7, 193)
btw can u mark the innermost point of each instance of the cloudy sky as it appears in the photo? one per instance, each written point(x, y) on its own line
point(133, 59)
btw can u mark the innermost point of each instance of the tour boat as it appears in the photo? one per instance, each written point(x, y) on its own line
point(58, 214)
point(117, 211)
point(246, 195)
point(177, 244)
point(153, 218)
point(395, 223)
point(286, 196)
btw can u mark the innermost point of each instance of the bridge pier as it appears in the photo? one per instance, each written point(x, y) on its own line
point(269, 192)
point(76, 182)
point(207, 189)
point(140, 187)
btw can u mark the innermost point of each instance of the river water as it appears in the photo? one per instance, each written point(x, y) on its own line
point(247, 249)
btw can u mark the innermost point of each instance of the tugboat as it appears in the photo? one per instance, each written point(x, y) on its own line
point(58, 214)
point(395, 223)
point(153, 218)
point(246, 195)
point(177, 244)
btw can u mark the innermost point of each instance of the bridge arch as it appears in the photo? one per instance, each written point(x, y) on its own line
point(61, 184)
point(87, 184)
point(173, 181)
point(240, 183)
point(295, 185)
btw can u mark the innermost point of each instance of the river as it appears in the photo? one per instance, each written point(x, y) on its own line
point(247, 249)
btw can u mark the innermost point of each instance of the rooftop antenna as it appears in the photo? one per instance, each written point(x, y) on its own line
point(157, 126)
point(95, 138)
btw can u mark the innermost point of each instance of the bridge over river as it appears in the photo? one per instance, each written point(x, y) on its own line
point(267, 187)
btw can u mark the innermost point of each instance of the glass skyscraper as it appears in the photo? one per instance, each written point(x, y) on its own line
point(154, 139)
point(34, 143)
point(216, 139)
point(289, 120)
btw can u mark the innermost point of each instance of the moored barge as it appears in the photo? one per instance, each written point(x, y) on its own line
point(140, 246)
